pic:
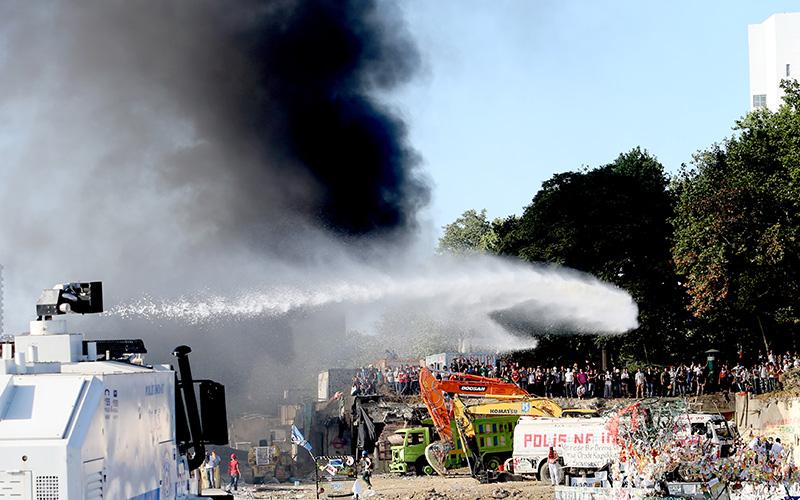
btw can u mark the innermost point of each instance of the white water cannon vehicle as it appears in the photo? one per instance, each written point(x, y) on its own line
point(82, 419)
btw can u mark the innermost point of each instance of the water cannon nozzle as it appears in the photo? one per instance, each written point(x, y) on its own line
point(77, 298)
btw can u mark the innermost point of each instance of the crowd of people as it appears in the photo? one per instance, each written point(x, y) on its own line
point(402, 380)
point(692, 379)
point(587, 380)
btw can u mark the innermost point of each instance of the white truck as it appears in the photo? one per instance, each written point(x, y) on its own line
point(706, 428)
point(86, 419)
point(585, 444)
point(582, 443)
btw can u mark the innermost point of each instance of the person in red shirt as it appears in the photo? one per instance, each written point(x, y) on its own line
point(553, 467)
point(234, 472)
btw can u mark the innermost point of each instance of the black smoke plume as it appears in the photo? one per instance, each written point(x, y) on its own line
point(319, 63)
point(171, 146)
point(269, 107)
point(186, 129)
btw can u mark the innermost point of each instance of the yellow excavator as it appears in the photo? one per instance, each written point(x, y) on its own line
point(442, 398)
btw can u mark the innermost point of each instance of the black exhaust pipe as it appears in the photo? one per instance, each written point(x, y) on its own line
point(186, 385)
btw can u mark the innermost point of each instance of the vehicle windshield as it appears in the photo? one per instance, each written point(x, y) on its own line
point(413, 438)
point(698, 429)
point(721, 428)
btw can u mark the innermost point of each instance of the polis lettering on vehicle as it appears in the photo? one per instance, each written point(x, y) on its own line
point(546, 440)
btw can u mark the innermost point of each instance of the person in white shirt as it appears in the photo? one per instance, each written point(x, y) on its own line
point(640, 381)
point(777, 449)
point(623, 381)
point(569, 383)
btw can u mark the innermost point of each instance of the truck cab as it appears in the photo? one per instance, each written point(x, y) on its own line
point(410, 454)
point(707, 428)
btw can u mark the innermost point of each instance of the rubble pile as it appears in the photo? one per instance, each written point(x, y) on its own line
point(654, 451)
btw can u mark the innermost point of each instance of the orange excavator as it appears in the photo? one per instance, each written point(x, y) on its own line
point(441, 397)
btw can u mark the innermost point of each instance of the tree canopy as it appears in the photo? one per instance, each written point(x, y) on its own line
point(470, 233)
point(613, 222)
point(711, 256)
point(736, 229)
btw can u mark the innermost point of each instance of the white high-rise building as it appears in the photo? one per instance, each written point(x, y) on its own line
point(774, 56)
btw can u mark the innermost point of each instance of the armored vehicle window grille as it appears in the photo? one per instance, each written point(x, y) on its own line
point(47, 488)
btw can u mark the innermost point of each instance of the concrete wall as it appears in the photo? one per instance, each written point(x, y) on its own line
point(333, 380)
point(769, 417)
point(288, 414)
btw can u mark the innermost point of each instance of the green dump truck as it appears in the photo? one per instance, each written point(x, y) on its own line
point(494, 436)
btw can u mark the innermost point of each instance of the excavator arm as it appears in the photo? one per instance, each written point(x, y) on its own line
point(447, 410)
point(438, 406)
point(434, 394)
point(436, 402)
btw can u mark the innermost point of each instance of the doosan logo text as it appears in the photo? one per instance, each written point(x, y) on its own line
point(473, 388)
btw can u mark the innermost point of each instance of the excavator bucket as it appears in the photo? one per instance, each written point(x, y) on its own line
point(436, 453)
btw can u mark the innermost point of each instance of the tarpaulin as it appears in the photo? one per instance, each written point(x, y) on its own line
point(366, 431)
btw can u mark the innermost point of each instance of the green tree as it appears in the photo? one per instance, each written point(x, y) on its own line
point(470, 233)
point(736, 230)
point(507, 238)
point(612, 222)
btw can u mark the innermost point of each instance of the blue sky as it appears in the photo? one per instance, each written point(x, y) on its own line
point(514, 91)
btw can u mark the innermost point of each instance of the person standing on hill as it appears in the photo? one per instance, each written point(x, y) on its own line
point(608, 385)
point(640, 383)
point(701, 382)
point(569, 384)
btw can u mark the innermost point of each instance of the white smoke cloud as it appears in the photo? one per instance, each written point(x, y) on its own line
point(128, 156)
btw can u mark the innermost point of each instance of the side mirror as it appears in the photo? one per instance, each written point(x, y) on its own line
point(213, 414)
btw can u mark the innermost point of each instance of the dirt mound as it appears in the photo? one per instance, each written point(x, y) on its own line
point(711, 403)
point(790, 382)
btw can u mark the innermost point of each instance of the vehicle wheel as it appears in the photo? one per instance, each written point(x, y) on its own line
point(492, 462)
point(544, 472)
point(423, 468)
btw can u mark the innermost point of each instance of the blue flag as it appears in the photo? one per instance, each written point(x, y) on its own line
point(299, 440)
